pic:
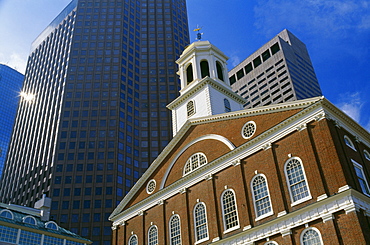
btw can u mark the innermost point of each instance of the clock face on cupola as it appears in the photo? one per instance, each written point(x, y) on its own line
point(205, 86)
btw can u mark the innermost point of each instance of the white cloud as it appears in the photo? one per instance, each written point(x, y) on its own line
point(235, 60)
point(351, 104)
point(15, 61)
point(324, 17)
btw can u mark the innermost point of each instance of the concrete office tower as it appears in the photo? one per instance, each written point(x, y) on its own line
point(97, 84)
point(10, 86)
point(279, 71)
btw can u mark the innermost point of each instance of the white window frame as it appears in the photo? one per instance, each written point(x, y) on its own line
point(290, 186)
point(7, 211)
point(188, 162)
point(148, 185)
point(367, 155)
point(170, 228)
point(132, 237)
point(308, 229)
point(193, 109)
point(33, 218)
point(271, 212)
point(245, 125)
point(223, 212)
point(197, 240)
point(271, 243)
point(359, 166)
point(349, 142)
point(51, 222)
point(156, 230)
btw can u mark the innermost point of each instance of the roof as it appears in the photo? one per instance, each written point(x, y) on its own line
point(304, 112)
point(20, 212)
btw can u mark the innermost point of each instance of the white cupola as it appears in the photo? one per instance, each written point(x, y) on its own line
point(205, 86)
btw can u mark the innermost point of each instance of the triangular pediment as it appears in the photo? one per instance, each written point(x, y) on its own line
point(221, 132)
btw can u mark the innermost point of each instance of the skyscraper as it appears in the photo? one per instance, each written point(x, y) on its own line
point(279, 71)
point(10, 85)
point(97, 83)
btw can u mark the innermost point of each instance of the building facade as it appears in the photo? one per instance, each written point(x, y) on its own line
point(30, 226)
point(99, 76)
point(10, 83)
point(279, 71)
point(292, 173)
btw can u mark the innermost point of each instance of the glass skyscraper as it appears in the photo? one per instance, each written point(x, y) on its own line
point(10, 85)
point(92, 114)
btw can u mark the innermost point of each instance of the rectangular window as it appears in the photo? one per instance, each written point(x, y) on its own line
point(361, 178)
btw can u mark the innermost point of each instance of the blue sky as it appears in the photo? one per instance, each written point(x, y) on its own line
point(336, 33)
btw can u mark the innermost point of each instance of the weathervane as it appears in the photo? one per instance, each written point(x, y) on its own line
point(199, 35)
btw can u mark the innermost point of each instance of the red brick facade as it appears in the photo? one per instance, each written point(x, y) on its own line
point(336, 207)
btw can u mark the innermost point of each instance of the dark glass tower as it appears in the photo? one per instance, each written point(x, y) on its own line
point(10, 85)
point(99, 76)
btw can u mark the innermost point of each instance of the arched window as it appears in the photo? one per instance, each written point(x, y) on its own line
point(229, 210)
point(189, 74)
point(175, 230)
point(261, 196)
point(361, 178)
point(227, 105)
point(29, 220)
point(271, 243)
point(349, 142)
point(311, 236)
point(51, 225)
point(296, 180)
point(220, 74)
point(367, 155)
point(204, 68)
point(133, 240)
point(190, 108)
point(194, 162)
point(6, 214)
point(153, 235)
point(200, 220)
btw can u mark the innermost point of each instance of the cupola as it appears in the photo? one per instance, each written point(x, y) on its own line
point(205, 86)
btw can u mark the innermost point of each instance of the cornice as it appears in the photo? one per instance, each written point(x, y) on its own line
point(349, 201)
point(202, 83)
point(258, 143)
point(314, 109)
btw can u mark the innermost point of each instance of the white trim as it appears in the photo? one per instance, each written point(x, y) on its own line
point(308, 229)
point(271, 242)
point(367, 155)
point(190, 163)
point(359, 166)
point(289, 186)
point(245, 125)
point(28, 216)
point(51, 222)
point(7, 211)
point(223, 211)
point(169, 227)
point(201, 138)
point(148, 234)
point(347, 200)
point(349, 142)
point(147, 186)
point(271, 212)
point(131, 237)
point(195, 226)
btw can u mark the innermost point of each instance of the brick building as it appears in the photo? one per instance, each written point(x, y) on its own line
point(290, 173)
